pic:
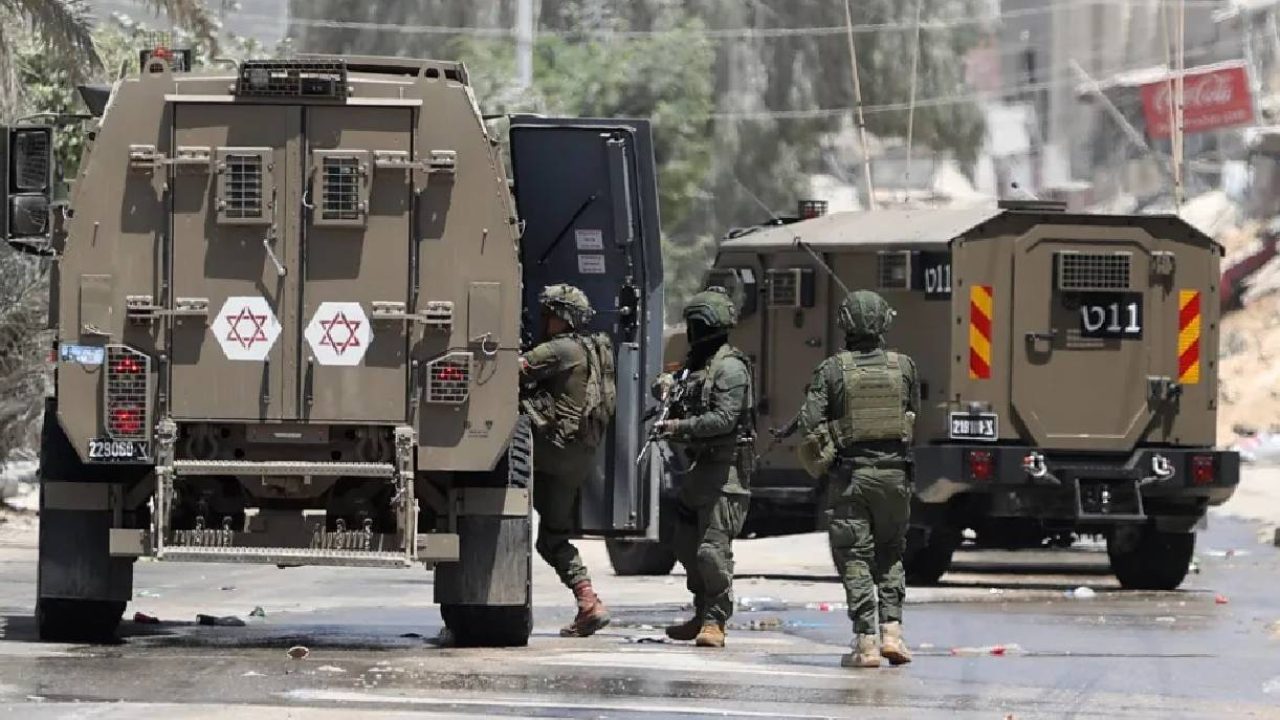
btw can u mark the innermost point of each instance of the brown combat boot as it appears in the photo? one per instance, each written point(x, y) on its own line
point(592, 614)
point(687, 630)
point(865, 654)
point(711, 635)
point(892, 646)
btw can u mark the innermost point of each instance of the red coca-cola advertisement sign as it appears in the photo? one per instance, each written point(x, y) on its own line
point(1214, 97)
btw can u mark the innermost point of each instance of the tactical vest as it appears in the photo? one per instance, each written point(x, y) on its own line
point(873, 400)
point(697, 397)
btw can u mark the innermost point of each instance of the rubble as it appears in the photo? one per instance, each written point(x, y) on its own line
point(145, 619)
point(298, 652)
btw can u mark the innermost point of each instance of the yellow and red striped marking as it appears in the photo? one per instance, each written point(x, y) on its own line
point(1188, 337)
point(980, 332)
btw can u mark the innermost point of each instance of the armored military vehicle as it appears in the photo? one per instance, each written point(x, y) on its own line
point(1068, 368)
point(288, 301)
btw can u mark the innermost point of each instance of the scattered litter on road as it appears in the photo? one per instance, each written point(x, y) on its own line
point(1221, 600)
point(1227, 553)
point(145, 619)
point(146, 594)
point(258, 612)
point(1166, 619)
point(769, 623)
point(251, 673)
point(761, 603)
point(1272, 686)
point(35, 698)
point(995, 591)
point(330, 669)
point(646, 640)
point(299, 652)
point(645, 627)
point(1081, 593)
point(996, 650)
point(224, 621)
point(228, 588)
point(410, 635)
point(824, 607)
point(925, 646)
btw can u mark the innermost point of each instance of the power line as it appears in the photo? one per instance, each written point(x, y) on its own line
point(942, 23)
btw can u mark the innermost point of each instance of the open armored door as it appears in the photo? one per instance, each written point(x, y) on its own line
point(586, 192)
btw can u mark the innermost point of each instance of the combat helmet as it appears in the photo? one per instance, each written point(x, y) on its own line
point(709, 314)
point(864, 313)
point(567, 303)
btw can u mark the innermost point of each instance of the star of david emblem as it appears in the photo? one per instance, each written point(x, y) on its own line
point(350, 326)
point(256, 325)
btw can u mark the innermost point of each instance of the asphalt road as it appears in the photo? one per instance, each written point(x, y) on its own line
point(1000, 638)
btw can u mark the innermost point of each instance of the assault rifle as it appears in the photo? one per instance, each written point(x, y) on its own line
point(674, 395)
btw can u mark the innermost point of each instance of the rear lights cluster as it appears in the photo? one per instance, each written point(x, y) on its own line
point(1203, 471)
point(126, 389)
point(981, 465)
point(449, 379)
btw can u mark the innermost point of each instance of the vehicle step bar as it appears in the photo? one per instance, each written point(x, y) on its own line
point(288, 556)
point(283, 467)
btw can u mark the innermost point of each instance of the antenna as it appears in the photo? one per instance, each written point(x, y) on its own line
point(822, 264)
point(757, 200)
point(857, 104)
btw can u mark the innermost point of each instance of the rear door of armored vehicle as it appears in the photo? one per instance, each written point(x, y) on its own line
point(1088, 333)
point(586, 192)
point(291, 230)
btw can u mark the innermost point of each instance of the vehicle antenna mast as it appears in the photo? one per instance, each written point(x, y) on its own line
point(822, 264)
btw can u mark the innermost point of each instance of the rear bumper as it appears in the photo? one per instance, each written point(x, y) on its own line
point(941, 472)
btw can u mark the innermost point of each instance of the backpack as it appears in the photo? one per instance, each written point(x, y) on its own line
point(601, 397)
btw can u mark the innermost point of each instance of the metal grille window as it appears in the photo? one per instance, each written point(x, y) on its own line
point(126, 410)
point(341, 188)
point(1093, 271)
point(893, 270)
point(31, 160)
point(242, 187)
point(784, 288)
point(449, 379)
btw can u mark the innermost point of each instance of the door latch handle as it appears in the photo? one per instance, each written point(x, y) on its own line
point(1049, 336)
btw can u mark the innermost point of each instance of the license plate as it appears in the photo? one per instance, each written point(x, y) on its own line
point(108, 450)
point(980, 426)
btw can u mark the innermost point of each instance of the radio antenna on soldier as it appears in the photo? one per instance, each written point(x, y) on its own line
point(822, 264)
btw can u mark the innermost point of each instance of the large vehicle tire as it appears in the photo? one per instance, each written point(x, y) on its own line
point(1148, 559)
point(91, 621)
point(928, 555)
point(486, 599)
point(640, 558)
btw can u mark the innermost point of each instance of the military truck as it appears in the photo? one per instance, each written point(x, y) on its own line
point(1068, 370)
point(288, 300)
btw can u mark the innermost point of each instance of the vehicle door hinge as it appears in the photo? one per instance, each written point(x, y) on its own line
point(437, 161)
point(147, 157)
point(142, 308)
point(437, 316)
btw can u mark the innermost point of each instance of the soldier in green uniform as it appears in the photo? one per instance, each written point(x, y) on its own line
point(857, 419)
point(567, 388)
point(713, 425)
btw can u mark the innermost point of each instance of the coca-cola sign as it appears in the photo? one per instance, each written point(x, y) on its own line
point(1214, 97)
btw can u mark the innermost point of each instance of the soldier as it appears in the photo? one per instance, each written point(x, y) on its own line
point(713, 423)
point(857, 417)
point(568, 390)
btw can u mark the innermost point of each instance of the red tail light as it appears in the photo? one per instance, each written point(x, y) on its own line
point(1202, 471)
point(127, 366)
point(450, 373)
point(126, 420)
point(982, 465)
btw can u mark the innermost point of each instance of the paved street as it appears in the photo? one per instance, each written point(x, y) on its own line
point(999, 638)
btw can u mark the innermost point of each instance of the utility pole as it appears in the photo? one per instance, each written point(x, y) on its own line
point(524, 44)
point(857, 101)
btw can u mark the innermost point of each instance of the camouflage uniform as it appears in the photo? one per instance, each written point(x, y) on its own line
point(714, 429)
point(554, 376)
point(869, 495)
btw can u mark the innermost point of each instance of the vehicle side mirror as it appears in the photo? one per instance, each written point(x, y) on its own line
point(27, 155)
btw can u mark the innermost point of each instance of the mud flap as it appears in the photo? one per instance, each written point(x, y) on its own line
point(493, 563)
point(74, 559)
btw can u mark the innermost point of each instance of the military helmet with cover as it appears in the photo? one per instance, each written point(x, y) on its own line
point(713, 308)
point(567, 303)
point(864, 313)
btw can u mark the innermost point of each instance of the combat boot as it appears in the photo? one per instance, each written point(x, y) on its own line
point(592, 614)
point(892, 646)
point(865, 654)
point(711, 635)
point(687, 630)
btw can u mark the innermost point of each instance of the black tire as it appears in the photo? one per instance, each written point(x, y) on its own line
point(928, 554)
point(1152, 560)
point(488, 625)
point(89, 621)
point(640, 558)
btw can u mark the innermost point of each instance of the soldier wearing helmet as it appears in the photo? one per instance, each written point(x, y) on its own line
point(857, 419)
point(713, 426)
point(563, 380)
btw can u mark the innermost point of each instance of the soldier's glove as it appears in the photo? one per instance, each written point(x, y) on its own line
point(664, 430)
point(662, 386)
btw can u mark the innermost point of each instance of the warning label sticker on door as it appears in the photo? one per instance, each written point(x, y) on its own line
point(246, 328)
point(591, 264)
point(589, 239)
point(339, 333)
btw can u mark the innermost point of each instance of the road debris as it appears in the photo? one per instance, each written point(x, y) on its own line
point(146, 594)
point(258, 612)
point(1082, 593)
point(646, 640)
point(1272, 686)
point(299, 652)
point(1166, 619)
point(224, 621)
point(411, 635)
point(145, 619)
point(330, 669)
point(994, 650)
point(1274, 630)
point(1221, 600)
point(252, 673)
point(227, 588)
